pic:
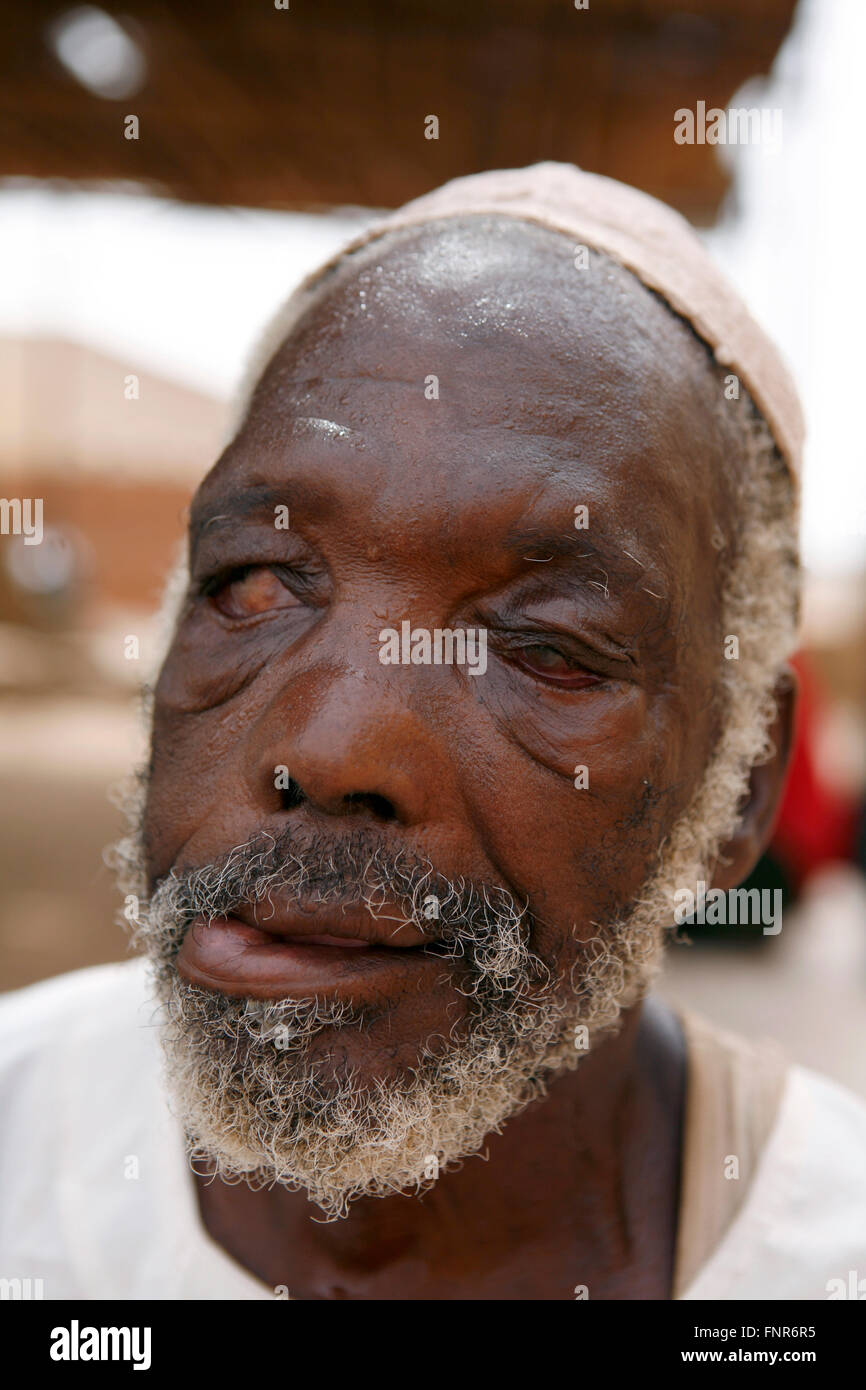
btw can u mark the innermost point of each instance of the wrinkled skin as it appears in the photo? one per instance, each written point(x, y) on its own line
point(585, 390)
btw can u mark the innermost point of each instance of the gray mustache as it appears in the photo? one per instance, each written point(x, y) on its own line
point(347, 873)
point(479, 924)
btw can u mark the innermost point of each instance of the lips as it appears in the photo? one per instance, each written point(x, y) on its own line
point(344, 942)
point(270, 951)
point(350, 923)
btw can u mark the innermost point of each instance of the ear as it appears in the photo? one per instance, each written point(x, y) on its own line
point(739, 855)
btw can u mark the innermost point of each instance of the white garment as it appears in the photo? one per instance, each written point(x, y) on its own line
point(80, 1101)
point(97, 1200)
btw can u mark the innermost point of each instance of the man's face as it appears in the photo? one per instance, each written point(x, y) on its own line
point(558, 486)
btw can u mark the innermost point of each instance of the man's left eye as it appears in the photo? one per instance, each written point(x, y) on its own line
point(250, 591)
point(549, 664)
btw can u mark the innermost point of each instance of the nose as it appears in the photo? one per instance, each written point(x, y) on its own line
point(350, 743)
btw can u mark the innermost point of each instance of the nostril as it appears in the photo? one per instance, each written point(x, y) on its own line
point(380, 806)
point(291, 796)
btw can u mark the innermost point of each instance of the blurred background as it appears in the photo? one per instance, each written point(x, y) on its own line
point(167, 174)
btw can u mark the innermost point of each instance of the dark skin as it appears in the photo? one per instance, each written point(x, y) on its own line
point(558, 388)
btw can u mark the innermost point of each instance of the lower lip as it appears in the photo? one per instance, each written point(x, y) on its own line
point(234, 958)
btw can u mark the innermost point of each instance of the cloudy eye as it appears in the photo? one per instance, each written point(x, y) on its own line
point(250, 591)
point(551, 665)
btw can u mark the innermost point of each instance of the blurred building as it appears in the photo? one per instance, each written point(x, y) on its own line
point(113, 453)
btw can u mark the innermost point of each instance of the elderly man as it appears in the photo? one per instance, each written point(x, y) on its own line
point(477, 664)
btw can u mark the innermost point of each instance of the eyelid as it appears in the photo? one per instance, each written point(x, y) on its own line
point(570, 648)
point(591, 660)
point(231, 574)
point(514, 643)
point(590, 649)
point(218, 552)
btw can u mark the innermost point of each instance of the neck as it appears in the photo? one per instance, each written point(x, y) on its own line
point(593, 1165)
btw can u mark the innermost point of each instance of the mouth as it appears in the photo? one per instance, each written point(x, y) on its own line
point(266, 952)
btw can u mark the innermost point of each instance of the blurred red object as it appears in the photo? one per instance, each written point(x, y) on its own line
point(817, 823)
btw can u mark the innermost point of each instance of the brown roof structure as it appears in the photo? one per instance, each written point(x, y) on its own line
point(324, 104)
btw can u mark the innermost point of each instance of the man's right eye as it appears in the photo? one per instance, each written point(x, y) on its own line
point(248, 592)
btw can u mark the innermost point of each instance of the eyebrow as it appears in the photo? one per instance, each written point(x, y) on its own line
point(232, 507)
point(572, 566)
point(578, 551)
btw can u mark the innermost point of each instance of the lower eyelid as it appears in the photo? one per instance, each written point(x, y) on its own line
point(552, 678)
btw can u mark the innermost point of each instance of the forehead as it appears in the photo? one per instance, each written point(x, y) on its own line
point(476, 373)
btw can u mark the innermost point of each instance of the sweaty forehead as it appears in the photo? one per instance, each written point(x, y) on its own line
point(464, 285)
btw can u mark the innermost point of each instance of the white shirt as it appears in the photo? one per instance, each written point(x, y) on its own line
point(97, 1199)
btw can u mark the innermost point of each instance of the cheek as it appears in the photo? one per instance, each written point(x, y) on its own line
point(576, 825)
point(198, 799)
point(207, 666)
point(198, 802)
